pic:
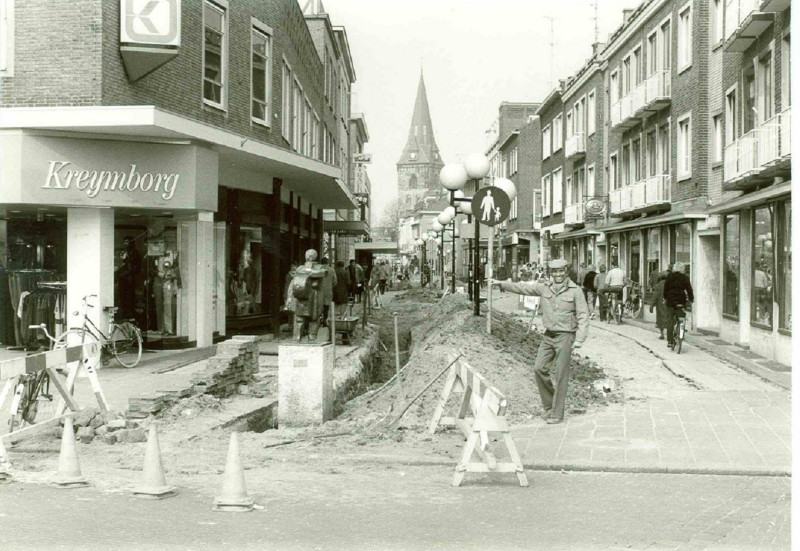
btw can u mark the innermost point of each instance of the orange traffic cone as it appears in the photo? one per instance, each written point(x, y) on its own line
point(69, 468)
point(234, 494)
point(154, 485)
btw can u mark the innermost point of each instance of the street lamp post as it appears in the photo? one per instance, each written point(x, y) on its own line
point(439, 229)
point(453, 176)
point(477, 167)
point(421, 245)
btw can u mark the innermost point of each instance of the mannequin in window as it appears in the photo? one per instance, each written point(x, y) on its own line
point(172, 282)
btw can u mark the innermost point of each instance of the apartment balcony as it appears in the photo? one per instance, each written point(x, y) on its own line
point(575, 146)
point(652, 193)
point(574, 215)
point(651, 95)
point(744, 23)
point(774, 5)
point(759, 155)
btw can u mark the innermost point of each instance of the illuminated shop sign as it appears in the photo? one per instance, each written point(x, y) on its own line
point(156, 22)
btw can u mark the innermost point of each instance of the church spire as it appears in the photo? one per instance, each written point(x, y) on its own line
point(421, 144)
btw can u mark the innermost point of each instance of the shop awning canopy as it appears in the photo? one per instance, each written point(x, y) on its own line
point(583, 232)
point(346, 227)
point(752, 199)
point(242, 161)
point(649, 221)
point(377, 247)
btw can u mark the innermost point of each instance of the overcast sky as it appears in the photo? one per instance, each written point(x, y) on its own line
point(474, 53)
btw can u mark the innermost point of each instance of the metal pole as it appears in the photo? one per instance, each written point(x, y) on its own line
point(397, 358)
point(490, 275)
point(453, 260)
point(470, 273)
point(441, 263)
point(476, 271)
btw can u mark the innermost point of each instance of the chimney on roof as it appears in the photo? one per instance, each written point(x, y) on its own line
point(626, 15)
point(596, 47)
point(562, 84)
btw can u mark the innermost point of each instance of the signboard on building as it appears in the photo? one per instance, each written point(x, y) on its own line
point(149, 34)
point(594, 208)
point(362, 158)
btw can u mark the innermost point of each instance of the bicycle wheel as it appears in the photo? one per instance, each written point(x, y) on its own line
point(618, 313)
point(679, 337)
point(126, 344)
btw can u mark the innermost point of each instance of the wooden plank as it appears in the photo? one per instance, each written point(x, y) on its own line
point(61, 386)
point(484, 468)
point(33, 429)
point(448, 388)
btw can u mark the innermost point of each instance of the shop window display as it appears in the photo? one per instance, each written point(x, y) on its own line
point(763, 266)
point(730, 279)
point(786, 266)
point(244, 277)
point(682, 251)
point(653, 265)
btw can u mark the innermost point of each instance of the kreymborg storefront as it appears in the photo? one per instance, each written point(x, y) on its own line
point(127, 220)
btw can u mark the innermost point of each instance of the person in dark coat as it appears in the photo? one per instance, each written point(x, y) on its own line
point(588, 289)
point(660, 306)
point(677, 291)
point(341, 290)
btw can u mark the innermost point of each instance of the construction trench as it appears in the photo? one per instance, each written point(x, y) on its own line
point(194, 431)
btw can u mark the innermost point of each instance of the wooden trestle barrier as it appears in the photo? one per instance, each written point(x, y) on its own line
point(73, 358)
point(481, 411)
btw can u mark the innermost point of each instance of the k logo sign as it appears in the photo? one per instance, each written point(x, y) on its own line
point(156, 22)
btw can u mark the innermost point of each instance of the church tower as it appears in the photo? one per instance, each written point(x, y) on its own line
point(419, 165)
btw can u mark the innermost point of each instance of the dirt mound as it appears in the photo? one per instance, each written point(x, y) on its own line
point(505, 358)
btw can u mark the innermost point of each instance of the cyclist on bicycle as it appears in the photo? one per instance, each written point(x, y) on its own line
point(614, 282)
point(677, 293)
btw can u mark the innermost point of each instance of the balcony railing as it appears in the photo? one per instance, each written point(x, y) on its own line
point(576, 145)
point(651, 192)
point(759, 149)
point(574, 214)
point(651, 94)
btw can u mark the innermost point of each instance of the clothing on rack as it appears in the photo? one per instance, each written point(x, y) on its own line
point(20, 281)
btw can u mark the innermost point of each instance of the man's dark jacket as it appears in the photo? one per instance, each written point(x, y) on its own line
point(677, 288)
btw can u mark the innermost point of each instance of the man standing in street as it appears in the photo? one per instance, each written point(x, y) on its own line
point(566, 322)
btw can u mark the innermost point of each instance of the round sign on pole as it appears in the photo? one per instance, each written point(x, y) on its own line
point(490, 205)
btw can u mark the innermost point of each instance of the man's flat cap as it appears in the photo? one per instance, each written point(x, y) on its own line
point(558, 263)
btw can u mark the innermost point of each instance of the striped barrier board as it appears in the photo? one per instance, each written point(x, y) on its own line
point(14, 373)
point(481, 411)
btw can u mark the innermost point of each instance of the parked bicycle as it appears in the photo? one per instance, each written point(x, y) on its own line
point(31, 390)
point(680, 327)
point(124, 340)
point(616, 306)
point(633, 304)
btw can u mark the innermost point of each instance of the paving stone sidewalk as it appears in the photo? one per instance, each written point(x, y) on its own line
point(733, 423)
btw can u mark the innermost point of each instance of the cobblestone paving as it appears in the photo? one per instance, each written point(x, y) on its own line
point(408, 508)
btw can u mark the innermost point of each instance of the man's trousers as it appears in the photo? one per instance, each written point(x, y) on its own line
point(557, 347)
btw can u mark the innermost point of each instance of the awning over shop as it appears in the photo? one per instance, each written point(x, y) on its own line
point(346, 227)
point(316, 182)
point(377, 247)
point(649, 221)
point(583, 232)
point(752, 199)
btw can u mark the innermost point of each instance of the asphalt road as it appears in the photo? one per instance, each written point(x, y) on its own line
point(394, 507)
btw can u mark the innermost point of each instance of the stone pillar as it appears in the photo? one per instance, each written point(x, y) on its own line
point(305, 384)
point(745, 274)
point(90, 263)
point(707, 291)
point(272, 273)
point(205, 280)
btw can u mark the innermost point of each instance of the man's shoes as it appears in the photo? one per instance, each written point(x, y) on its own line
point(554, 420)
point(670, 345)
point(591, 316)
point(661, 337)
point(546, 414)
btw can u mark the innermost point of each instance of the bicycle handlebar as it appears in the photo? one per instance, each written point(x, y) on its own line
point(43, 327)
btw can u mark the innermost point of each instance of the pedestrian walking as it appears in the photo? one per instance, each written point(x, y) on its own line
point(588, 289)
point(600, 289)
point(662, 315)
point(353, 277)
point(383, 275)
point(328, 283)
point(341, 287)
point(566, 322)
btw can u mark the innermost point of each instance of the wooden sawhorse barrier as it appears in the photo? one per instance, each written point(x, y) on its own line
point(73, 358)
point(487, 407)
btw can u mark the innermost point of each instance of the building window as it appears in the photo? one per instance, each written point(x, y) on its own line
point(558, 133)
point(546, 142)
point(260, 76)
point(538, 207)
point(685, 148)
point(685, 38)
point(786, 70)
point(664, 149)
point(731, 253)
point(558, 191)
point(214, 55)
point(286, 103)
point(652, 53)
point(716, 22)
point(653, 253)
point(590, 183)
point(297, 116)
point(613, 88)
point(591, 114)
point(716, 139)
point(665, 38)
point(731, 117)
point(636, 160)
point(7, 38)
point(763, 266)
point(682, 246)
point(546, 195)
point(785, 266)
point(766, 88)
point(612, 173)
point(315, 149)
point(626, 165)
point(651, 153)
point(571, 194)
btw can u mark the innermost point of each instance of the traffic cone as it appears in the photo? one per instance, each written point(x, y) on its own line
point(69, 468)
point(154, 485)
point(234, 494)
